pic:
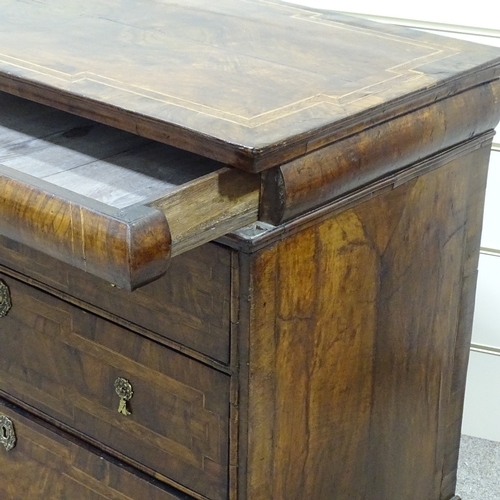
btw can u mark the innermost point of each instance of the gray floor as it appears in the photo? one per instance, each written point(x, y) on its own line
point(479, 469)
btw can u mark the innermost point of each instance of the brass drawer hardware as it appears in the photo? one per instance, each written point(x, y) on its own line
point(124, 390)
point(5, 302)
point(7, 434)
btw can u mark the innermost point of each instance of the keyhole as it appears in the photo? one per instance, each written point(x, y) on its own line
point(4, 433)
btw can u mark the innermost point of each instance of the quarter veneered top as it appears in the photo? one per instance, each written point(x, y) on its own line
point(251, 83)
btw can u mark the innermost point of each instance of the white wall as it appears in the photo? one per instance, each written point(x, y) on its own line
point(477, 21)
point(479, 16)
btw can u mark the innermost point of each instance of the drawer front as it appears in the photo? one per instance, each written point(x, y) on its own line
point(189, 305)
point(65, 362)
point(47, 464)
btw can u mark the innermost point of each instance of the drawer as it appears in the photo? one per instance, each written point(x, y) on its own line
point(189, 305)
point(108, 202)
point(47, 464)
point(66, 362)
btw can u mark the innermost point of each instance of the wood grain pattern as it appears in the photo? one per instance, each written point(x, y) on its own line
point(128, 248)
point(297, 398)
point(356, 328)
point(97, 198)
point(47, 464)
point(418, 316)
point(324, 175)
point(64, 362)
point(210, 207)
point(453, 396)
point(327, 360)
point(249, 83)
point(103, 163)
point(188, 308)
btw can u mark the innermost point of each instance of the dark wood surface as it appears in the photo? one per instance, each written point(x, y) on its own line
point(64, 362)
point(249, 83)
point(125, 247)
point(376, 153)
point(357, 344)
point(47, 464)
point(451, 421)
point(353, 341)
point(187, 309)
point(323, 358)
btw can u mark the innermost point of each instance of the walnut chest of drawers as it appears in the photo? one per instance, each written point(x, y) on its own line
point(238, 251)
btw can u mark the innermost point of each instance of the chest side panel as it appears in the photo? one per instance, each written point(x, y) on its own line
point(358, 344)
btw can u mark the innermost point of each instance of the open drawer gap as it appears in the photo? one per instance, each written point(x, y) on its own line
point(107, 201)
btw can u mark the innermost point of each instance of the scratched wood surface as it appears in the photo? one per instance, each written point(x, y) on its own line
point(249, 83)
point(64, 361)
point(188, 307)
point(358, 341)
point(100, 162)
point(451, 418)
point(47, 464)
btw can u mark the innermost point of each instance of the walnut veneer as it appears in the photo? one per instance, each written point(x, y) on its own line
point(238, 251)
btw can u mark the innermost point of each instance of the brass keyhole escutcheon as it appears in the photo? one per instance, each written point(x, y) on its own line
point(124, 390)
point(7, 434)
point(5, 302)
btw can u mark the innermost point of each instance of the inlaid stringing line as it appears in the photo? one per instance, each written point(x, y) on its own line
point(400, 70)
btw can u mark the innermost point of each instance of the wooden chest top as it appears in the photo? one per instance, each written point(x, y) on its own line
point(309, 106)
point(251, 83)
